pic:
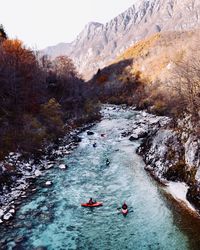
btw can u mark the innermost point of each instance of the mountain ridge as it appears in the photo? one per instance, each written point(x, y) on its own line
point(99, 44)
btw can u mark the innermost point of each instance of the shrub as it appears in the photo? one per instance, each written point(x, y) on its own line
point(51, 116)
point(159, 107)
point(102, 79)
point(33, 134)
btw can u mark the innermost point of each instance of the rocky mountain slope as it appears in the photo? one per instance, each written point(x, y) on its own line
point(154, 62)
point(98, 44)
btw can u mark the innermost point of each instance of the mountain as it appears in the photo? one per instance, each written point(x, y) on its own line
point(99, 44)
point(148, 74)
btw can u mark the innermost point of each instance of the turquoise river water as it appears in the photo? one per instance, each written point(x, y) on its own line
point(54, 219)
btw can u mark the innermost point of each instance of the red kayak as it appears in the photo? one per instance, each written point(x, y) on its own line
point(96, 204)
point(124, 211)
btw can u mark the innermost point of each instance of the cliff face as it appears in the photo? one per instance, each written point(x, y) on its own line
point(98, 44)
point(173, 154)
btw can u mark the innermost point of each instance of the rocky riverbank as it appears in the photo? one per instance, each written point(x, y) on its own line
point(18, 174)
point(171, 151)
point(172, 156)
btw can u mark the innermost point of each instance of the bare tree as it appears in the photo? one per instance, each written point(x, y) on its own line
point(186, 82)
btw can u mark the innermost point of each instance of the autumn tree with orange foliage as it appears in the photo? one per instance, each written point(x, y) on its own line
point(38, 96)
point(21, 79)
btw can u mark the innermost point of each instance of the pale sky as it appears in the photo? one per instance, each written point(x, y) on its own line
point(40, 23)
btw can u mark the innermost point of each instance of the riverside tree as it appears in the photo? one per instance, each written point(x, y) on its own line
point(39, 98)
point(186, 81)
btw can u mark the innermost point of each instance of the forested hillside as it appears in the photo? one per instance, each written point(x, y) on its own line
point(160, 73)
point(40, 100)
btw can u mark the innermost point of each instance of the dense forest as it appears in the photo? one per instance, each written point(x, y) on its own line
point(40, 99)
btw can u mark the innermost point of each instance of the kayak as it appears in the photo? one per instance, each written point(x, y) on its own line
point(124, 211)
point(96, 204)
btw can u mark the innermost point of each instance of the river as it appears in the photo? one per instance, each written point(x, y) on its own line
point(54, 219)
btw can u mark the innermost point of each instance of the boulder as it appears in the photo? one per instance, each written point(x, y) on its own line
point(38, 173)
point(90, 133)
point(48, 183)
point(140, 132)
point(77, 139)
point(33, 190)
point(1, 213)
point(62, 166)
point(12, 211)
point(66, 152)
point(124, 134)
point(48, 166)
point(133, 138)
point(19, 239)
point(22, 217)
point(7, 216)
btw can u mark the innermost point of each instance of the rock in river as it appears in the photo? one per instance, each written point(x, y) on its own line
point(90, 133)
point(48, 183)
point(62, 166)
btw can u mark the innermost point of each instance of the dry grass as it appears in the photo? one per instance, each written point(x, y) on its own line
point(156, 56)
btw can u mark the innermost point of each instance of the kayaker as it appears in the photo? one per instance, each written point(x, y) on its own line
point(124, 206)
point(91, 201)
point(107, 162)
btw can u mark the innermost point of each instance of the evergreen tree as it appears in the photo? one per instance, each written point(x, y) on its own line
point(3, 34)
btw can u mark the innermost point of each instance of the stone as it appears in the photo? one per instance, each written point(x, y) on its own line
point(124, 134)
point(133, 138)
point(62, 166)
point(48, 183)
point(19, 239)
point(12, 211)
point(48, 166)
point(3, 241)
point(90, 133)
point(29, 168)
point(77, 139)
point(21, 217)
point(1, 213)
point(38, 173)
point(7, 216)
point(66, 152)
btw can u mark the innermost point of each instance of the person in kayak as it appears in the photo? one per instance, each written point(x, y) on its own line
point(91, 202)
point(124, 206)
